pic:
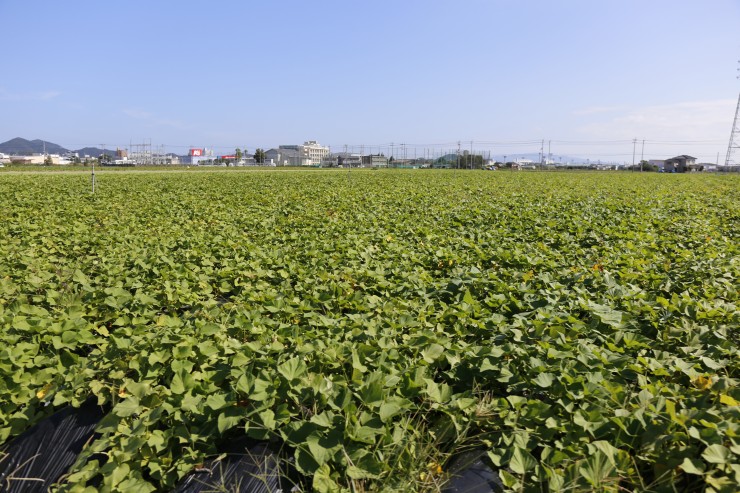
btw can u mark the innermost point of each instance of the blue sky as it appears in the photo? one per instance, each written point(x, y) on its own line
point(586, 76)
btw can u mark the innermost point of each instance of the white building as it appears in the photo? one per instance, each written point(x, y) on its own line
point(311, 153)
point(39, 159)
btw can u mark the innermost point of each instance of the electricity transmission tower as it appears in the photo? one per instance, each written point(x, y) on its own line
point(734, 136)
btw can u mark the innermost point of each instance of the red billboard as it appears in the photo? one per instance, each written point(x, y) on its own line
point(197, 152)
point(228, 157)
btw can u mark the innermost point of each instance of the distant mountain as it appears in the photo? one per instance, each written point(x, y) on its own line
point(26, 147)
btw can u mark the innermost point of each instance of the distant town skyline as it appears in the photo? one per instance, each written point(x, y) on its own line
point(586, 77)
point(494, 151)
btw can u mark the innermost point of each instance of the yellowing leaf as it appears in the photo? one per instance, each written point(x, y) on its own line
point(702, 382)
point(726, 399)
point(101, 330)
point(42, 393)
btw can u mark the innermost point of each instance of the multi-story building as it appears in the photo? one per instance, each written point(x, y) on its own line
point(311, 153)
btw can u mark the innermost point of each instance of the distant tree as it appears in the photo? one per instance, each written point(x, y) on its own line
point(646, 166)
point(104, 159)
point(48, 161)
point(642, 165)
point(471, 161)
point(259, 156)
point(238, 154)
point(390, 160)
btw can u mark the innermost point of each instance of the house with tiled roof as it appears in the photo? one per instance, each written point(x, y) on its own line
point(679, 164)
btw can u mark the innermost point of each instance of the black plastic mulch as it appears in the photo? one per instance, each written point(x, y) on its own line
point(37, 458)
point(247, 467)
point(472, 473)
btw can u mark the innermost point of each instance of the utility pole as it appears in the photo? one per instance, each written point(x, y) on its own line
point(542, 154)
point(102, 156)
point(734, 134)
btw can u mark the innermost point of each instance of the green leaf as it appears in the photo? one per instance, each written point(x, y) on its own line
point(432, 352)
point(596, 469)
point(268, 419)
point(391, 408)
point(609, 450)
point(319, 453)
point(607, 314)
point(365, 434)
point(356, 363)
point(181, 382)
point(191, 403)
point(119, 473)
point(508, 479)
point(216, 401)
point(229, 418)
point(544, 379)
point(304, 461)
point(438, 392)
point(127, 407)
point(292, 369)
point(140, 390)
point(323, 482)
point(371, 393)
point(136, 484)
point(522, 461)
point(692, 466)
point(716, 454)
point(364, 466)
point(468, 298)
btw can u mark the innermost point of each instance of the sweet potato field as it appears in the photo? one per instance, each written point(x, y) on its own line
point(580, 328)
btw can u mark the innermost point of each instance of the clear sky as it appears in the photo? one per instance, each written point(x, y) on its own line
point(586, 76)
